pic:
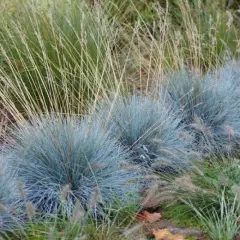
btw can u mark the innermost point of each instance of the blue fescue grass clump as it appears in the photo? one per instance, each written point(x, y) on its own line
point(10, 216)
point(64, 161)
point(210, 109)
point(149, 130)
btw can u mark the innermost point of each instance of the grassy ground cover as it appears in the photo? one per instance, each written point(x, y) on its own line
point(119, 119)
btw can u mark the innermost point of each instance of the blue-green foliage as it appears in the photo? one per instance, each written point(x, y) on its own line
point(210, 108)
point(148, 129)
point(50, 155)
point(9, 200)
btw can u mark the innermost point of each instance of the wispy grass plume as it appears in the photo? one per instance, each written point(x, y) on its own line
point(55, 55)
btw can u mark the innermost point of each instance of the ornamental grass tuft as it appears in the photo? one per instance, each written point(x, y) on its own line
point(209, 106)
point(64, 161)
point(10, 211)
point(150, 131)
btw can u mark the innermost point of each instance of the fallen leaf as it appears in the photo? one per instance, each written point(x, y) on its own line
point(164, 234)
point(161, 234)
point(149, 217)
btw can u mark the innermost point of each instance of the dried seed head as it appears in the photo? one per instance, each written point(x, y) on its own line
point(78, 216)
point(163, 162)
point(64, 192)
point(229, 131)
point(167, 152)
point(157, 141)
point(126, 166)
point(30, 210)
point(168, 198)
point(185, 136)
point(152, 189)
point(150, 193)
point(199, 125)
point(185, 182)
point(224, 180)
point(21, 191)
point(96, 166)
point(94, 198)
point(3, 208)
point(78, 212)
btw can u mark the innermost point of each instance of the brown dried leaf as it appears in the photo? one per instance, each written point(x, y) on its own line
point(149, 217)
point(164, 234)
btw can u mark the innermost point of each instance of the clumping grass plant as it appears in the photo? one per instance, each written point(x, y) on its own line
point(214, 178)
point(61, 54)
point(64, 161)
point(10, 211)
point(211, 190)
point(149, 129)
point(221, 225)
point(55, 55)
point(209, 107)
